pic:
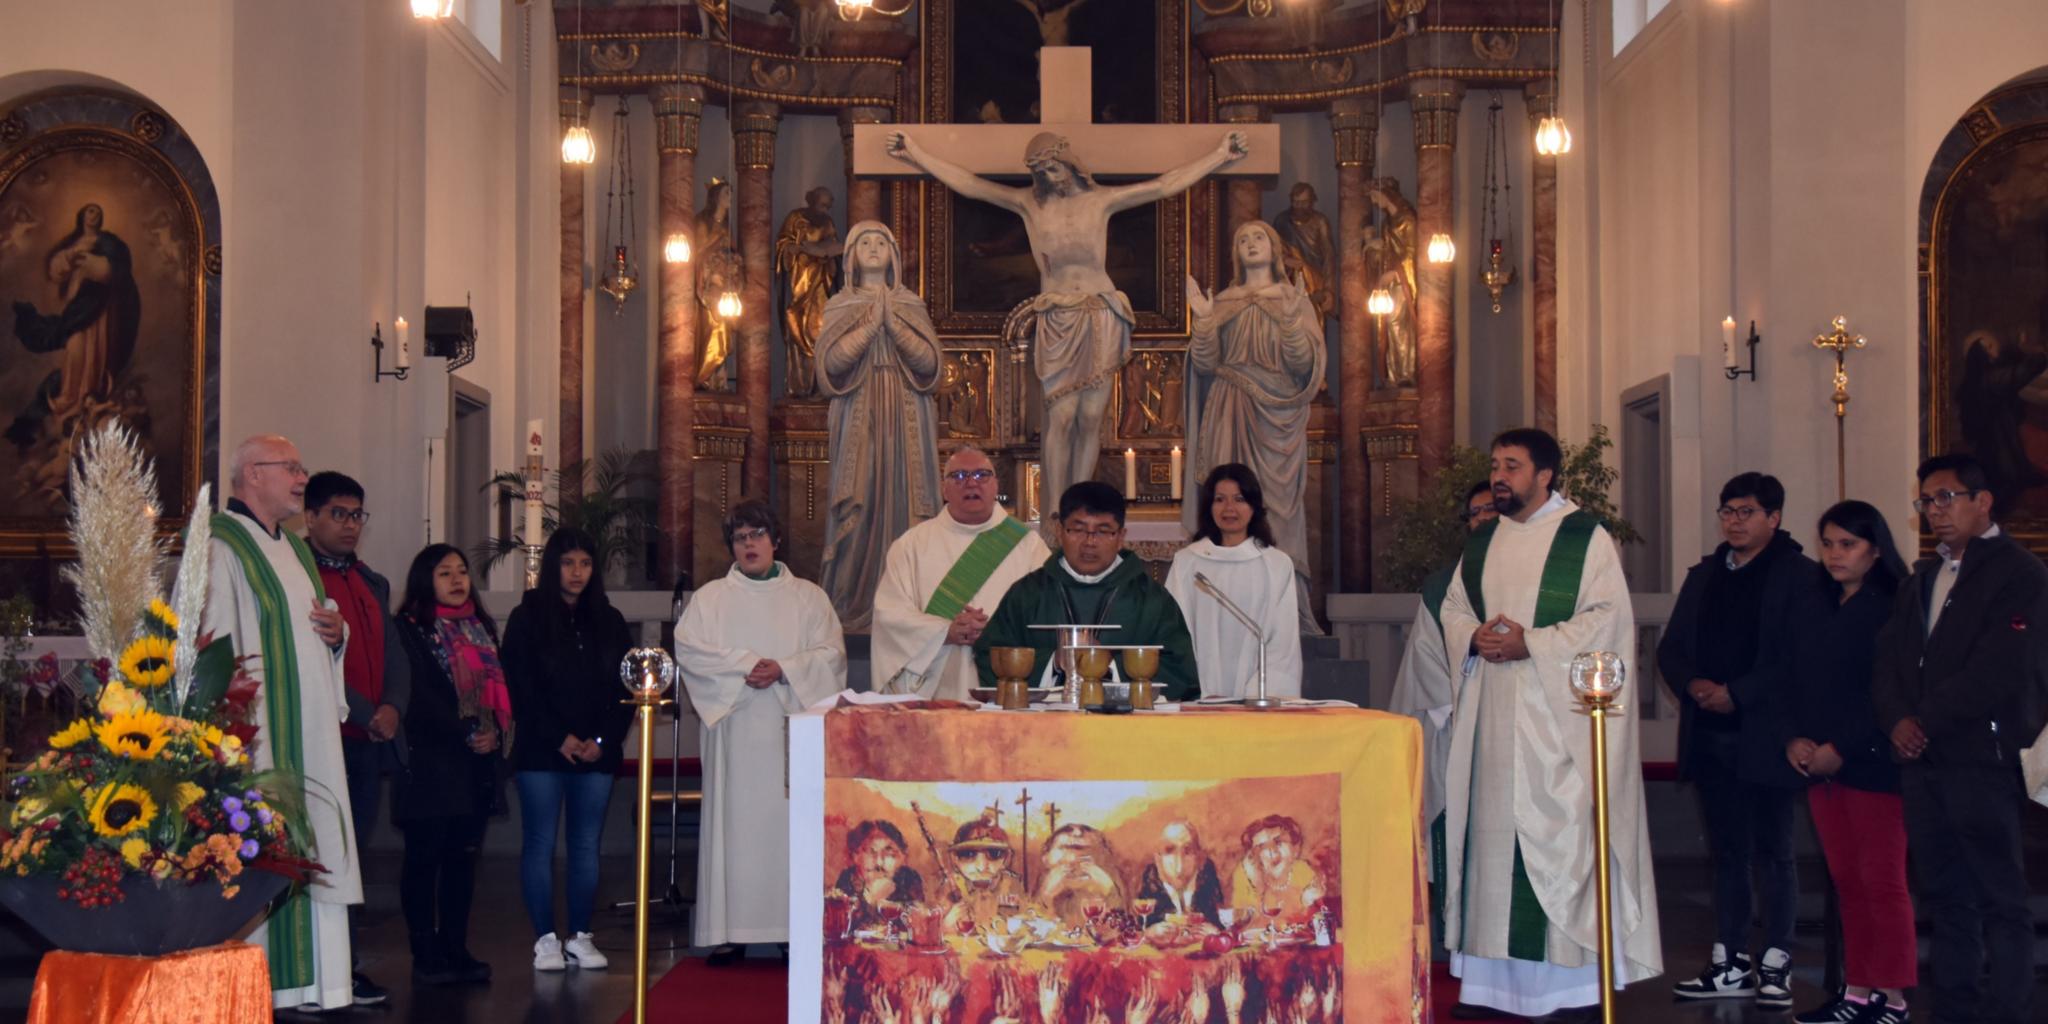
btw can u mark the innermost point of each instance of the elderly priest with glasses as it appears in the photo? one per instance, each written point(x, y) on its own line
point(942, 580)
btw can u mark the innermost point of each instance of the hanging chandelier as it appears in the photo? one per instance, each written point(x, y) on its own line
point(577, 145)
point(1552, 137)
point(621, 277)
point(728, 306)
point(676, 247)
point(1498, 273)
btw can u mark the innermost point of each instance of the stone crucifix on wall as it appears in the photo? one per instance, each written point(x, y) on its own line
point(1081, 321)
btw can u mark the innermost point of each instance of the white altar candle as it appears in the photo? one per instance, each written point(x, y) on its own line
point(1728, 342)
point(404, 343)
point(533, 495)
point(1175, 471)
point(1130, 473)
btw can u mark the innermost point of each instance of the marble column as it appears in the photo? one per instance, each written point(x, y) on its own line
point(863, 195)
point(575, 110)
point(1355, 124)
point(678, 109)
point(754, 125)
point(1542, 100)
point(1242, 199)
point(1434, 103)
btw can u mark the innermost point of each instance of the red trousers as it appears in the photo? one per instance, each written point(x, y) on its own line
point(1863, 835)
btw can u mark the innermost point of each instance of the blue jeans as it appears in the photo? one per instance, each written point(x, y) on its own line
point(541, 797)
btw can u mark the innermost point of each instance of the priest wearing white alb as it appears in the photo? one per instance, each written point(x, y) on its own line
point(1537, 587)
point(264, 593)
point(1234, 550)
point(941, 580)
point(754, 647)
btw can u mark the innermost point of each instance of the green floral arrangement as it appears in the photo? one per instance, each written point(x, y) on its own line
point(156, 777)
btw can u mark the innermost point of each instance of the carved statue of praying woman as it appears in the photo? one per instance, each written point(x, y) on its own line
point(879, 361)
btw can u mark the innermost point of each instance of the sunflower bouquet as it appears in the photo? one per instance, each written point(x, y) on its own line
point(155, 778)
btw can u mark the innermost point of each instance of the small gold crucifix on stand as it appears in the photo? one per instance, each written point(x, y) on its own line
point(1841, 341)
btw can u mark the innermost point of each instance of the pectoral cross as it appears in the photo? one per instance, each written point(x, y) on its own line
point(1066, 99)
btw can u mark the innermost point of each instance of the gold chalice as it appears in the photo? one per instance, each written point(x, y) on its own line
point(1013, 673)
point(1141, 664)
point(1091, 663)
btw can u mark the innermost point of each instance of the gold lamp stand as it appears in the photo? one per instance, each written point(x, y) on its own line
point(648, 674)
point(1596, 679)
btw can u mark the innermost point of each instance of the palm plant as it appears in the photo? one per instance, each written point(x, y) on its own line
point(611, 505)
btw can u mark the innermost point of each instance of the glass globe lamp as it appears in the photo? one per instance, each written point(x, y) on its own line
point(1597, 676)
point(647, 673)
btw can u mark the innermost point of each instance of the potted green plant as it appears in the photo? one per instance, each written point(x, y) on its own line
point(608, 505)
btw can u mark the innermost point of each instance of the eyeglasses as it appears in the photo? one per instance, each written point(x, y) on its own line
point(1941, 499)
point(294, 468)
point(744, 536)
point(1472, 513)
point(343, 515)
point(961, 476)
point(1738, 513)
point(1099, 533)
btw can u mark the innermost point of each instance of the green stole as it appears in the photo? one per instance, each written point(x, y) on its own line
point(974, 566)
point(1557, 594)
point(288, 941)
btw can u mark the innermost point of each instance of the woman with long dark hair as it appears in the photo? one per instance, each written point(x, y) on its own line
point(459, 718)
point(1828, 721)
point(1233, 549)
point(563, 645)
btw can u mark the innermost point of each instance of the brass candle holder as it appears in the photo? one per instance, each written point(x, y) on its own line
point(1013, 667)
point(1596, 680)
point(1141, 664)
point(648, 674)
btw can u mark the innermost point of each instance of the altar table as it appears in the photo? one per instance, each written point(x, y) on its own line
point(225, 984)
point(985, 864)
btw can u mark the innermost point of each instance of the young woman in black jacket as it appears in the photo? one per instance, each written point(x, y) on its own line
point(1828, 723)
point(562, 650)
point(454, 728)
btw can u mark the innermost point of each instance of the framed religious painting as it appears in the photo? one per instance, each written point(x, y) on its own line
point(983, 68)
point(1984, 275)
point(110, 301)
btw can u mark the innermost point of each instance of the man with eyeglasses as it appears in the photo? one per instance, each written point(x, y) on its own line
point(1959, 687)
point(1093, 580)
point(264, 593)
point(1422, 690)
point(1723, 653)
point(374, 666)
point(942, 579)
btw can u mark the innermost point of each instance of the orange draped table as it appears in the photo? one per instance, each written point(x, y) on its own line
point(1063, 867)
point(225, 984)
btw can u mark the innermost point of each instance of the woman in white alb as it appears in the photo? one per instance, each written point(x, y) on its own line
point(1233, 548)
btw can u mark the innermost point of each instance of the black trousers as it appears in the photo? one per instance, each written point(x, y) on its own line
point(1749, 830)
point(1963, 829)
point(438, 882)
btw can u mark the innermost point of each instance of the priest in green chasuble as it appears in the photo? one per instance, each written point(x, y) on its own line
point(1535, 588)
point(1093, 580)
point(264, 593)
point(942, 580)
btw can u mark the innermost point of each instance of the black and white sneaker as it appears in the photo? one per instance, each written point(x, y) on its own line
point(1838, 1010)
point(1774, 981)
point(1880, 1011)
point(1726, 977)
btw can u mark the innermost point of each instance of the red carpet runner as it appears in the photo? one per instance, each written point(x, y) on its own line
point(754, 992)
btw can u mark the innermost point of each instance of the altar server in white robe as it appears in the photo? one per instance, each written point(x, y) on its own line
point(941, 580)
point(754, 648)
point(1537, 587)
point(1234, 550)
point(264, 593)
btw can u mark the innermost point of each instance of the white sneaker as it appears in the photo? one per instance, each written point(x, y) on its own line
point(584, 951)
point(547, 954)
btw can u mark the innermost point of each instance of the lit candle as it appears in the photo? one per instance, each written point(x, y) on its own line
point(404, 343)
point(1130, 473)
point(1176, 472)
point(1728, 342)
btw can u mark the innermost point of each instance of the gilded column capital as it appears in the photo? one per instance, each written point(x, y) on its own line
point(1541, 99)
point(1356, 124)
point(678, 110)
point(575, 105)
point(754, 126)
point(1435, 102)
point(1242, 113)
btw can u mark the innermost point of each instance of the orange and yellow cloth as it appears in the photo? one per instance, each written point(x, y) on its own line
point(225, 984)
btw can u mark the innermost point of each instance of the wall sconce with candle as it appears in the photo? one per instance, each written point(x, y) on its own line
point(1728, 363)
point(403, 361)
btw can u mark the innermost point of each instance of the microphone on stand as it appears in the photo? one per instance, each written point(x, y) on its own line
point(1259, 700)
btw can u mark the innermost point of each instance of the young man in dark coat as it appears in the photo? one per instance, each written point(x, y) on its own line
point(1959, 689)
point(1725, 650)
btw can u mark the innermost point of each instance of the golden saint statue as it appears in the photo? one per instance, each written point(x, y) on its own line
point(806, 260)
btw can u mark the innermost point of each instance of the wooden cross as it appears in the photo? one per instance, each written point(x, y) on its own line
point(1024, 835)
point(1065, 106)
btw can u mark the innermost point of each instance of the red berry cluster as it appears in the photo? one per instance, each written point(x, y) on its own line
point(93, 880)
